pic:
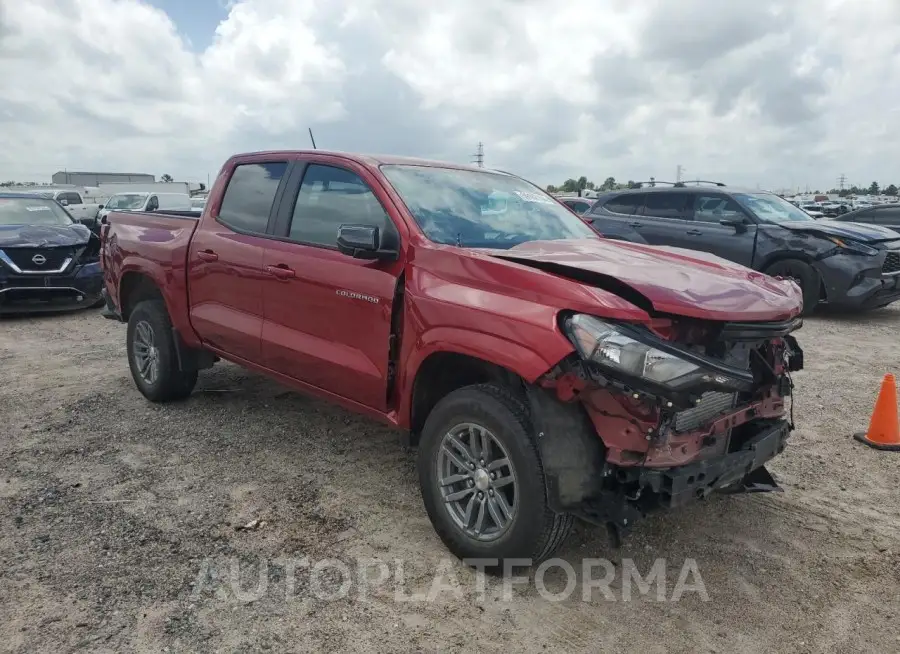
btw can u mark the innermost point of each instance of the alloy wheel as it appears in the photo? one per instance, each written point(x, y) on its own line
point(477, 482)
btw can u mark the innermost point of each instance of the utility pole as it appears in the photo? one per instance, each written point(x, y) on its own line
point(842, 180)
point(478, 159)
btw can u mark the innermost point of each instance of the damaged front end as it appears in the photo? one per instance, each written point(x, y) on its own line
point(647, 417)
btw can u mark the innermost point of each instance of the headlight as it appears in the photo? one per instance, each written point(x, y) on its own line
point(621, 349)
point(603, 344)
point(853, 246)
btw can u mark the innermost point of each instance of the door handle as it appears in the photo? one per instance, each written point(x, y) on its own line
point(207, 255)
point(635, 224)
point(281, 271)
point(694, 232)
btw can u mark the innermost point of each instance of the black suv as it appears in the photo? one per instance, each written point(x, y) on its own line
point(843, 264)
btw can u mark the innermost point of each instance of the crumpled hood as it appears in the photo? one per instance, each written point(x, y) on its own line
point(36, 236)
point(856, 231)
point(673, 280)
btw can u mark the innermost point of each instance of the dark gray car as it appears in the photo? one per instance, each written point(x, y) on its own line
point(843, 264)
point(886, 215)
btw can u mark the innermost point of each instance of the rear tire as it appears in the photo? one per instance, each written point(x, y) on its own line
point(487, 413)
point(152, 355)
point(802, 273)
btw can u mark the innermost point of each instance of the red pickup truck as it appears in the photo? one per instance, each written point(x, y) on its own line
point(544, 372)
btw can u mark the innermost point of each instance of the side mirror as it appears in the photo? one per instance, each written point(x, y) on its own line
point(64, 203)
point(366, 242)
point(739, 224)
point(99, 207)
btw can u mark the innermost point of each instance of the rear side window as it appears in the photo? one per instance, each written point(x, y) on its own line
point(666, 205)
point(577, 207)
point(713, 208)
point(330, 197)
point(250, 195)
point(70, 198)
point(625, 204)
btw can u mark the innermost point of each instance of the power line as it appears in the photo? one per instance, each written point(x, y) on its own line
point(478, 157)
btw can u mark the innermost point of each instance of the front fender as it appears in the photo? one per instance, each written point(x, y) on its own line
point(517, 358)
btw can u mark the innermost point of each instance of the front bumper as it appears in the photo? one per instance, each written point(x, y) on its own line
point(78, 289)
point(682, 484)
point(639, 491)
point(856, 282)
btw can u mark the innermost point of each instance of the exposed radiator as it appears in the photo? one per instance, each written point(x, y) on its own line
point(711, 405)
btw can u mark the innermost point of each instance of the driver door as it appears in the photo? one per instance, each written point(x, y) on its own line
point(327, 316)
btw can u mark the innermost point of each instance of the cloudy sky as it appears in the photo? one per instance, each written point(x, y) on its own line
point(783, 93)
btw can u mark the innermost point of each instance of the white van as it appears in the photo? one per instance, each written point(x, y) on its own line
point(144, 201)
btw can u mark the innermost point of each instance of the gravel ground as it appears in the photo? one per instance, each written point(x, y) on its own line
point(121, 523)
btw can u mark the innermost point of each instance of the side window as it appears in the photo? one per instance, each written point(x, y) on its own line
point(713, 208)
point(73, 198)
point(576, 206)
point(625, 204)
point(249, 196)
point(667, 205)
point(152, 203)
point(330, 197)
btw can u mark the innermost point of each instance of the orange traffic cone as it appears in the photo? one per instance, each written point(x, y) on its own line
point(884, 428)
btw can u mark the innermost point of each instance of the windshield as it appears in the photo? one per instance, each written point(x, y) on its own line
point(32, 211)
point(482, 209)
point(126, 201)
point(771, 208)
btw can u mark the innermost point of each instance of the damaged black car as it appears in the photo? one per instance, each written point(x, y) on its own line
point(48, 260)
point(839, 264)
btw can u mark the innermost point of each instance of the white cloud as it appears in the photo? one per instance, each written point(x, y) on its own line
point(777, 92)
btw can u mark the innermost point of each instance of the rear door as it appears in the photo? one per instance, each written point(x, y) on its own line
point(225, 259)
point(614, 217)
point(327, 315)
point(665, 218)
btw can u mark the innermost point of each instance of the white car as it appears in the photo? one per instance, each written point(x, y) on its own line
point(813, 210)
point(72, 201)
point(146, 201)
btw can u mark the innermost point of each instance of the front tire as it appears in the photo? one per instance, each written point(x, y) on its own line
point(805, 276)
point(482, 481)
point(152, 356)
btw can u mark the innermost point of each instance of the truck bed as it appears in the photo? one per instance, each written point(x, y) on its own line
point(155, 243)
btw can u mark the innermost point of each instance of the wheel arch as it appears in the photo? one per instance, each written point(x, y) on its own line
point(135, 287)
point(794, 255)
point(444, 371)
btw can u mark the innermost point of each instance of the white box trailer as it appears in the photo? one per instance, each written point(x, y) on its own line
point(111, 188)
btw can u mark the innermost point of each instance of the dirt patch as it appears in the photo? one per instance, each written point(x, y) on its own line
point(123, 522)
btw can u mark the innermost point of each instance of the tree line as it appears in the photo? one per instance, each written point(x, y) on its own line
point(610, 184)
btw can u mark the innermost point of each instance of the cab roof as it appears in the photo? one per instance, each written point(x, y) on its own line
point(372, 160)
